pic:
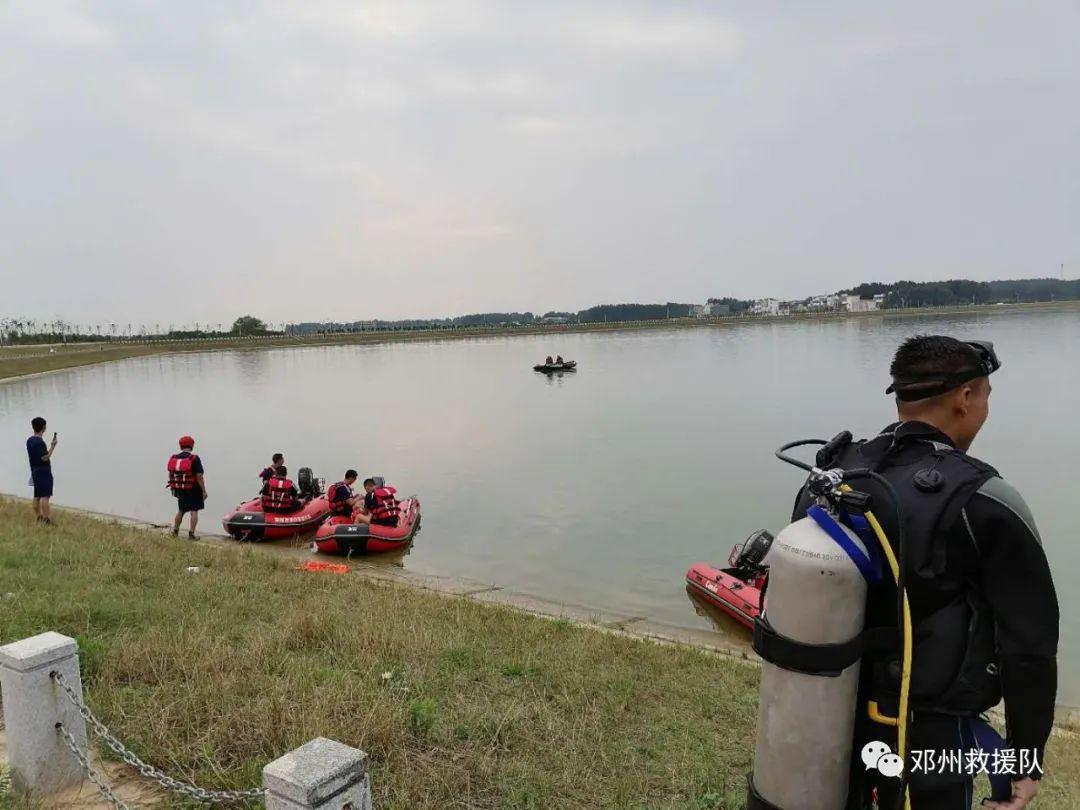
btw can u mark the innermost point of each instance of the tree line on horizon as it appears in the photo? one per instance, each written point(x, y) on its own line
point(953, 292)
point(964, 291)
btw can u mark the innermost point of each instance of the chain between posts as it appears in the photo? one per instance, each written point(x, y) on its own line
point(88, 769)
point(145, 769)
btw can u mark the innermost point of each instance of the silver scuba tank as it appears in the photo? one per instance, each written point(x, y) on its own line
point(808, 638)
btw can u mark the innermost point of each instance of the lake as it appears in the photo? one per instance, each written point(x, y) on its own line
point(598, 487)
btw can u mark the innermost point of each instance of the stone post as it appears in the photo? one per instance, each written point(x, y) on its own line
point(39, 760)
point(320, 774)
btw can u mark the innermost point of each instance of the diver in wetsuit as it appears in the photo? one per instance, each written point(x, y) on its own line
point(983, 604)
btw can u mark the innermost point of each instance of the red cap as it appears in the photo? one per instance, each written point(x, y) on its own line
point(186, 441)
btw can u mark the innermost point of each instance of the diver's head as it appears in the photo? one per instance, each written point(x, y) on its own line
point(369, 485)
point(351, 476)
point(944, 382)
point(281, 471)
point(278, 459)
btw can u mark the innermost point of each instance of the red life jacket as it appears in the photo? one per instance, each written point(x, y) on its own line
point(180, 475)
point(278, 495)
point(339, 495)
point(387, 509)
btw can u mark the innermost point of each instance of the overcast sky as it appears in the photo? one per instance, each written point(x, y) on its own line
point(308, 160)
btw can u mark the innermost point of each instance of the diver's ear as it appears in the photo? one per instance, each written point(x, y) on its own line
point(963, 399)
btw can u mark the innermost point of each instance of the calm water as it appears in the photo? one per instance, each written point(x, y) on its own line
point(597, 488)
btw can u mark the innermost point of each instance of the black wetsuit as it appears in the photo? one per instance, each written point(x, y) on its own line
point(990, 550)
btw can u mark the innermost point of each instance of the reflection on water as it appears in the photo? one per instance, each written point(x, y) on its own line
point(598, 486)
point(721, 622)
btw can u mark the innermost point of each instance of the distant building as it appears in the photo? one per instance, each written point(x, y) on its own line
point(853, 303)
point(717, 310)
point(765, 306)
point(823, 303)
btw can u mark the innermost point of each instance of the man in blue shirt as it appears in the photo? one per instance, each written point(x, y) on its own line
point(41, 476)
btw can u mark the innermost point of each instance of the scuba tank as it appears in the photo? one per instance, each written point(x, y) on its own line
point(809, 637)
point(816, 596)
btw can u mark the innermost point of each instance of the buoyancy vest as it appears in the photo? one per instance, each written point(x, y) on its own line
point(387, 509)
point(279, 495)
point(266, 474)
point(339, 495)
point(955, 656)
point(181, 477)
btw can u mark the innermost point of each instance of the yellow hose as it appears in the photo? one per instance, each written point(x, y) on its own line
point(907, 655)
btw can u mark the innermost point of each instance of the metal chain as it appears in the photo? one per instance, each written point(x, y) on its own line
point(88, 769)
point(149, 771)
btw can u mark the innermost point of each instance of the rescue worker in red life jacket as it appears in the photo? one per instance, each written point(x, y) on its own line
point(341, 496)
point(983, 605)
point(279, 494)
point(276, 461)
point(381, 508)
point(187, 484)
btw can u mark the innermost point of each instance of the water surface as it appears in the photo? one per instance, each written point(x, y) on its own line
point(596, 488)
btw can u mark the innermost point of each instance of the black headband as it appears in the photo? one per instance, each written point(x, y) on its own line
point(933, 385)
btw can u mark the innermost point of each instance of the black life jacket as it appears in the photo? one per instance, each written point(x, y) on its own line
point(955, 655)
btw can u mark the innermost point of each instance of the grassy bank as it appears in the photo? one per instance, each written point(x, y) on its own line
point(19, 360)
point(210, 675)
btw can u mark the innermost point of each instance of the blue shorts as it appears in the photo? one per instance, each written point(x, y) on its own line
point(43, 482)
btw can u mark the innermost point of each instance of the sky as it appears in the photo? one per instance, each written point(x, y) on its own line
point(326, 160)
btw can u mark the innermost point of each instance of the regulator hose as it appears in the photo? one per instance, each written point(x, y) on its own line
point(907, 656)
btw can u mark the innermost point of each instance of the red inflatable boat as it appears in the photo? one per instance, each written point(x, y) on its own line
point(249, 521)
point(735, 590)
point(340, 535)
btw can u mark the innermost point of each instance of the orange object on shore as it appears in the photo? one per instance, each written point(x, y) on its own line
point(317, 565)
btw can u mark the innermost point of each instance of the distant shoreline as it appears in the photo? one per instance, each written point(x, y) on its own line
point(22, 362)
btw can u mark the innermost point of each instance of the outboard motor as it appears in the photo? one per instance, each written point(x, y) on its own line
point(305, 482)
point(379, 480)
point(749, 556)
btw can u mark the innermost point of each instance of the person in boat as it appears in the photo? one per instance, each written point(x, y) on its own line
point(341, 496)
point(558, 360)
point(279, 494)
point(276, 461)
point(548, 361)
point(187, 485)
point(381, 506)
point(982, 597)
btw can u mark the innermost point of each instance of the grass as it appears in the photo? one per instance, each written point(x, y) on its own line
point(18, 360)
point(459, 704)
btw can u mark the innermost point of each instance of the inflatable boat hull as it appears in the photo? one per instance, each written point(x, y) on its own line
point(340, 535)
point(249, 522)
point(548, 368)
point(722, 589)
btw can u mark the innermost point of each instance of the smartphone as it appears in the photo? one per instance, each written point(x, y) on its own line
point(54, 436)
